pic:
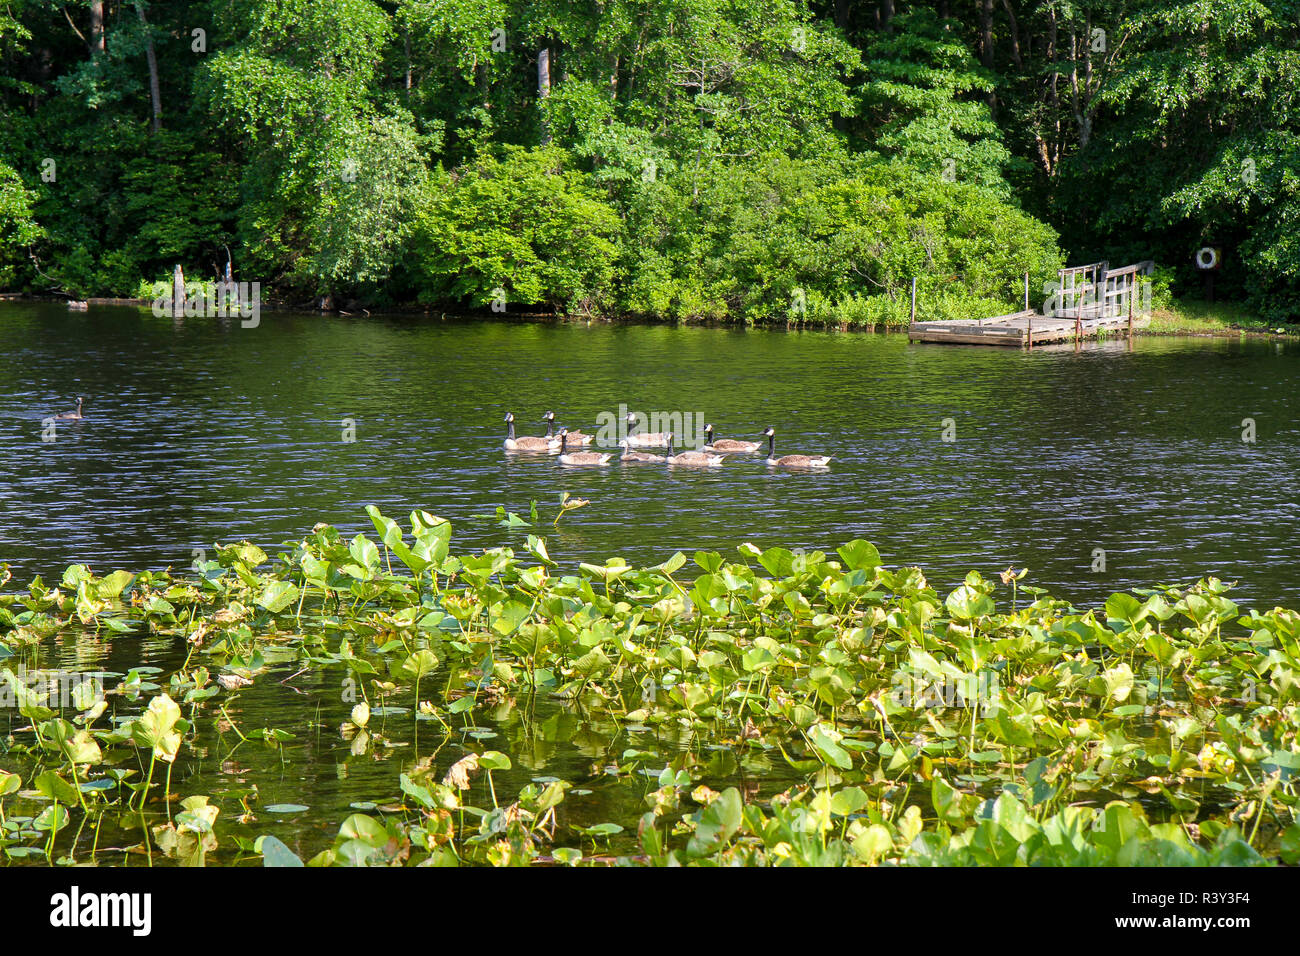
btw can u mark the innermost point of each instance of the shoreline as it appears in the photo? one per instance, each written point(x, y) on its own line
point(1192, 318)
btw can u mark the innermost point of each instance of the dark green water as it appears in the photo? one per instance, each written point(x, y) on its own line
point(202, 430)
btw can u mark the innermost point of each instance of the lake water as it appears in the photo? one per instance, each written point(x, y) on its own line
point(201, 430)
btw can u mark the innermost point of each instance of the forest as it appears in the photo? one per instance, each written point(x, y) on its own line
point(731, 160)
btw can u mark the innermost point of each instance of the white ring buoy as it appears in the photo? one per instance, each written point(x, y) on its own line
point(1207, 258)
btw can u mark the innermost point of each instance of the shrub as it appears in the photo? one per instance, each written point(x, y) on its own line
point(524, 222)
point(752, 239)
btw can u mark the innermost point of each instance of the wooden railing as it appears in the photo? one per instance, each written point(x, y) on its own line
point(1096, 291)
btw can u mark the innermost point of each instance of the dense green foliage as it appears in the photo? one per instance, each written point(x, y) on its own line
point(780, 708)
point(527, 228)
point(757, 159)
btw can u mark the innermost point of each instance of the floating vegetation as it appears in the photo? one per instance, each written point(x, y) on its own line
point(775, 709)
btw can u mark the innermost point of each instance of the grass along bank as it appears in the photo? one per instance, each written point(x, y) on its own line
point(770, 708)
point(1189, 317)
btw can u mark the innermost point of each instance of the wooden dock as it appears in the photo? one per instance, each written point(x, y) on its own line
point(1090, 301)
point(1016, 329)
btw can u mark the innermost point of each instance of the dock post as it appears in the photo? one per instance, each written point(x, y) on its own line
point(178, 292)
point(1130, 309)
point(913, 298)
point(1078, 329)
point(1029, 328)
point(1026, 291)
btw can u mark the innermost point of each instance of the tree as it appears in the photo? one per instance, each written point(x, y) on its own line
point(328, 173)
point(922, 103)
point(18, 230)
point(1207, 95)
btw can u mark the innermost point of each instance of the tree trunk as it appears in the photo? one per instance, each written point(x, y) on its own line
point(155, 94)
point(97, 25)
point(986, 48)
point(986, 33)
point(544, 85)
point(1015, 35)
point(1080, 93)
point(1052, 45)
point(544, 72)
point(407, 42)
point(842, 14)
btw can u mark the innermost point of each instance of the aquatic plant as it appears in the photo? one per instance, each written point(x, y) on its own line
point(778, 708)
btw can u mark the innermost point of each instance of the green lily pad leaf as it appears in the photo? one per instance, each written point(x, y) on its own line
point(56, 788)
point(672, 565)
point(277, 596)
point(849, 800)
point(1118, 681)
point(826, 742)
point(859, 555)
point(156, 728)
point(9, 783)
point(494, 760)
point(420, 664)
point(275, 853)
point(1290, 848)
point(967, 603)
point(873, 843)
point(1125, 608)
point(508, 617)
point(366, 829)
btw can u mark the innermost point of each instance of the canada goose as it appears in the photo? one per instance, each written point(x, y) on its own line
point(630, 455)
point(792, 461)
point(528, 442)
point(579, 457)
point(649, 440)
point(696, 459)
point(73, 416)
point(575, 437)
point(726, 446)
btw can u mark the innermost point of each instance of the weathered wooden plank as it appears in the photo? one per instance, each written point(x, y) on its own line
point(964, 339)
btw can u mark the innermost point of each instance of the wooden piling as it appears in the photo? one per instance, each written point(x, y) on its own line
point(913, 298)
point(178, 291)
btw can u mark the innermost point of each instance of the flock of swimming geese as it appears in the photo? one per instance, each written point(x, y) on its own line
point(713, 454)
